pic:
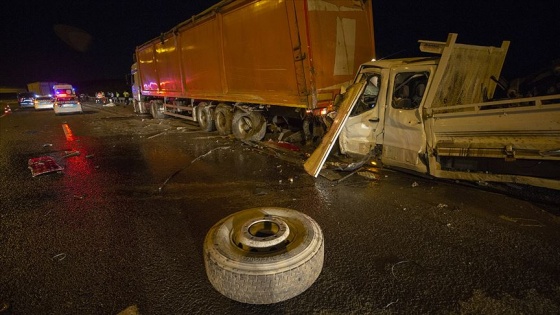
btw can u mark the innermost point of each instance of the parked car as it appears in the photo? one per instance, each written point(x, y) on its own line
point(44, 102)
point(67, 104)
point(25, 99)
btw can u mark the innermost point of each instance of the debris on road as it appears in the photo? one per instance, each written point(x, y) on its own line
point(71, 153)
point(47, 145)
point(345, 177)
point(59, 257)
point(179, 170)
point(415, 184)
point(285, 145)
point(367, 173)
point(391, 303)
point(43, 165)
point(156, 135)
point(205, 154)
point(168, 178)
point(523, 221)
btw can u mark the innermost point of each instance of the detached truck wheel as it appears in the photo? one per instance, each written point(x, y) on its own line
point(264, 255)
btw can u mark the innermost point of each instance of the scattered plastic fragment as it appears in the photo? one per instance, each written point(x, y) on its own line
point(285, 145)
point(441, 206)
point(59, 257)
point(71, 153)
point(156, 135)
point(47, 145)
point(89, 156)
point(415, 184)
point(523, 221)
point(43, 165)
point(391, 303)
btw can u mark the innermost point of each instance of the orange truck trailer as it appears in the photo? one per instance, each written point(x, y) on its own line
point(244, 65)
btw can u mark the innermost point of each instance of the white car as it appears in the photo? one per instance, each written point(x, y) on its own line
point(43, 102)
point(67, 104)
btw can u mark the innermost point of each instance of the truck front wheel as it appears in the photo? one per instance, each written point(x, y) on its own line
point(248, 125)
point(156, 109)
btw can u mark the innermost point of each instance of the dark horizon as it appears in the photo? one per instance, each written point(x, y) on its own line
point(87, 41)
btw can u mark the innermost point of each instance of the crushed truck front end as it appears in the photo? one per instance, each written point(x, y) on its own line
point(432, 116)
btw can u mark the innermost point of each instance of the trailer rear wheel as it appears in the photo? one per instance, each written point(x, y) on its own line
point(156, 109)
point(204, 116)
point(264, 255)
point(223, 116)
point(248, 125)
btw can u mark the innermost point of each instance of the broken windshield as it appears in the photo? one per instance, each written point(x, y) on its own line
point(368, 99)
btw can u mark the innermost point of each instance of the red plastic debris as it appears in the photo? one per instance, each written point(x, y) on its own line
point(286, 145)
point(43, 165)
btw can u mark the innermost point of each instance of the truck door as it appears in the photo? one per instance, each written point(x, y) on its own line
point(404, 139)
point(361, 130)
point(315, 162)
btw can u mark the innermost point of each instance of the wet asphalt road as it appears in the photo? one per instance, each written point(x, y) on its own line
point(122, 226)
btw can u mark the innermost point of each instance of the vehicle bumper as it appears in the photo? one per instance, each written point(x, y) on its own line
point(44, 106)
point(67, 108)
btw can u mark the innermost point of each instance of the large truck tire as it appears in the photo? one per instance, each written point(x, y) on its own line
point(205, 116)
point(248, 125)
point(264, 255)
point(156, 109)
point(223, 116)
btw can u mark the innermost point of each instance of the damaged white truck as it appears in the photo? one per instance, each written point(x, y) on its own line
point(431, 115)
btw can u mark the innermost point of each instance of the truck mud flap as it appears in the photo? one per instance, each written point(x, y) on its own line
point(315, 162)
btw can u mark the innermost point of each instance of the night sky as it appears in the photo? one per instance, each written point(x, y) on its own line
point(33, 49)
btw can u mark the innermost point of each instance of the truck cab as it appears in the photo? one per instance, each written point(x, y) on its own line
point(432, 115)
point(393, 117)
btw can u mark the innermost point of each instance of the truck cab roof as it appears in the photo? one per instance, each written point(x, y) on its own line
point(390, 63)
